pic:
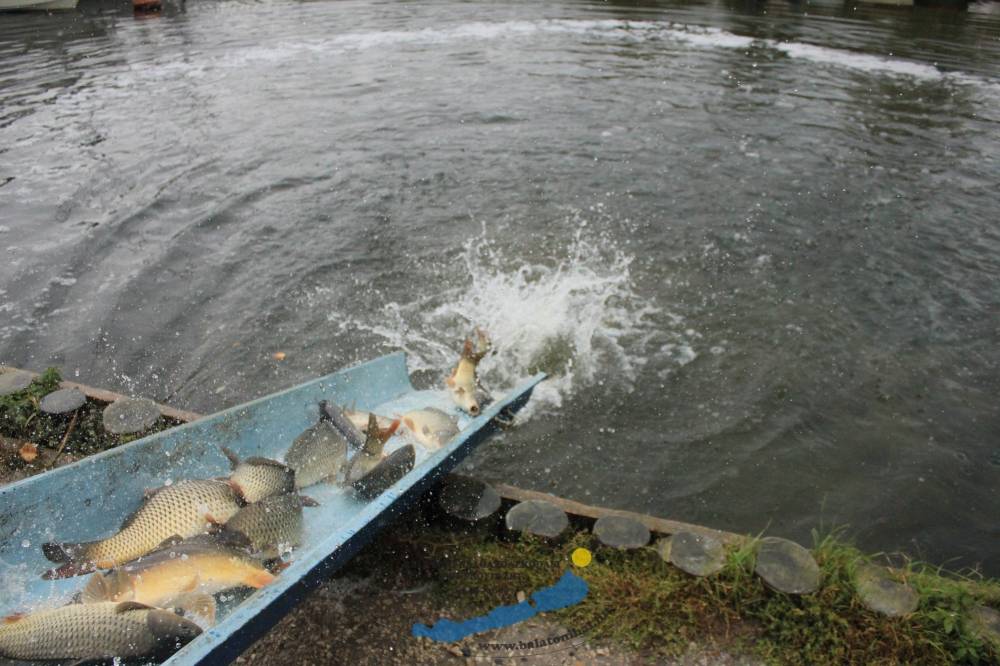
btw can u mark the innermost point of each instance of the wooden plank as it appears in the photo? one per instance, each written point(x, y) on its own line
point(661, 525)
point(110, 396)
point(510, 493)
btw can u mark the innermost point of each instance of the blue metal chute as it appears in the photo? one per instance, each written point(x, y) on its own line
point(88, 499)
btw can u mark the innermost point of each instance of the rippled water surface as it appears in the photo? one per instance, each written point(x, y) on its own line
point(756, 245)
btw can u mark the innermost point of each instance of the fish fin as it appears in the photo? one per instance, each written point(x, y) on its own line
point(96, 589)
point(234, 460)
point(308, 501)
point(172, 540)
point(14, 617)
point(409, 423)
point(69, 570)
point(126, 606)
point(197, 604)
point(450, 382)
point(277, 565)
point(212, 520)
point(227, 536)
point(385, 434)
point(257, 460)
point(149, 492)
point(258, 578)
point(62, 552)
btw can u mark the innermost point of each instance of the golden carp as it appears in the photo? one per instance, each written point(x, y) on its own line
point(256, 478)
point(272, 526)
point(431, 427)
point(371, 453)
point(462, 383)
point(359, 419)
point(95, 631)
point(183, 509)
point(203, 565)
point(318, 454)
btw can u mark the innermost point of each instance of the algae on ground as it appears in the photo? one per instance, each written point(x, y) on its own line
point(22, 419)
point(639, 600)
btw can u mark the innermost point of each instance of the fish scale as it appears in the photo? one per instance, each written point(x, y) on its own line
point(183, 509)
point(271, 524)
point(79, 631)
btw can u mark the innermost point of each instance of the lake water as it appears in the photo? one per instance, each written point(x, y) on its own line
point(755, 244)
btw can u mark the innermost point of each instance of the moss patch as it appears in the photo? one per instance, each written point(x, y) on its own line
point(640, 601)
point(21, 419)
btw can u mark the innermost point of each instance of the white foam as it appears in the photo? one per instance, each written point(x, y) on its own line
point(576, 316)
point(857, 61)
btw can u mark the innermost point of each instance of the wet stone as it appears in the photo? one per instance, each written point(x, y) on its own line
point(695, 554)
point(128, 416)
point(394, 467)
point(537, 517)
point(621, 532)
point(468, 499)
point(985, 623)
point(62, 401)
point(13, 382)
point(786, 566)
point(880, 593)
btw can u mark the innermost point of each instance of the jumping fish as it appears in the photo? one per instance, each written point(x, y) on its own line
point(371, 453)
point(184, 510)
point(431, 427)
point(462, 383)
point(256, 478)
point(272, 526)
point(95, 631)
point(205, 565)
point(318, 454)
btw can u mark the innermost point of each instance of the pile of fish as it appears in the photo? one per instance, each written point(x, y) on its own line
point(152, 585)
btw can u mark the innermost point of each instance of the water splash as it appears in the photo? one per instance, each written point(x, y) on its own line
point(574, 314)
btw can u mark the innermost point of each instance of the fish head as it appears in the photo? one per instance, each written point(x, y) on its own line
point(466, 400)
point(170, 630)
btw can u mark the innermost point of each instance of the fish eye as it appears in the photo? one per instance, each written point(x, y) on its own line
point(474, 409)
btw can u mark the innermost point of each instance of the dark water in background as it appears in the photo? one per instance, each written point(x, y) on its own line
point(757, 244)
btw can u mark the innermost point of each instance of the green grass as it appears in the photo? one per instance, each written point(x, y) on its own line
point(640, 601)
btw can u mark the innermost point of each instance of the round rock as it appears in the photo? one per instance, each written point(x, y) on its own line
point(537, 517)
point(62, 401)
point(986, 624)
point(621, 532)
point(13, 382)
point(696, 554)
point(786, 566)
point(468, 499)
point(882, 594)
point(129, 416)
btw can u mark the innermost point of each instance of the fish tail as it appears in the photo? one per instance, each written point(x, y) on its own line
point(385, 434)
point(69, 570)
point(476, 350)
point(65, 552)
point(258, 578)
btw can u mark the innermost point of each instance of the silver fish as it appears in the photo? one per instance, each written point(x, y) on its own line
point(431, 427)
